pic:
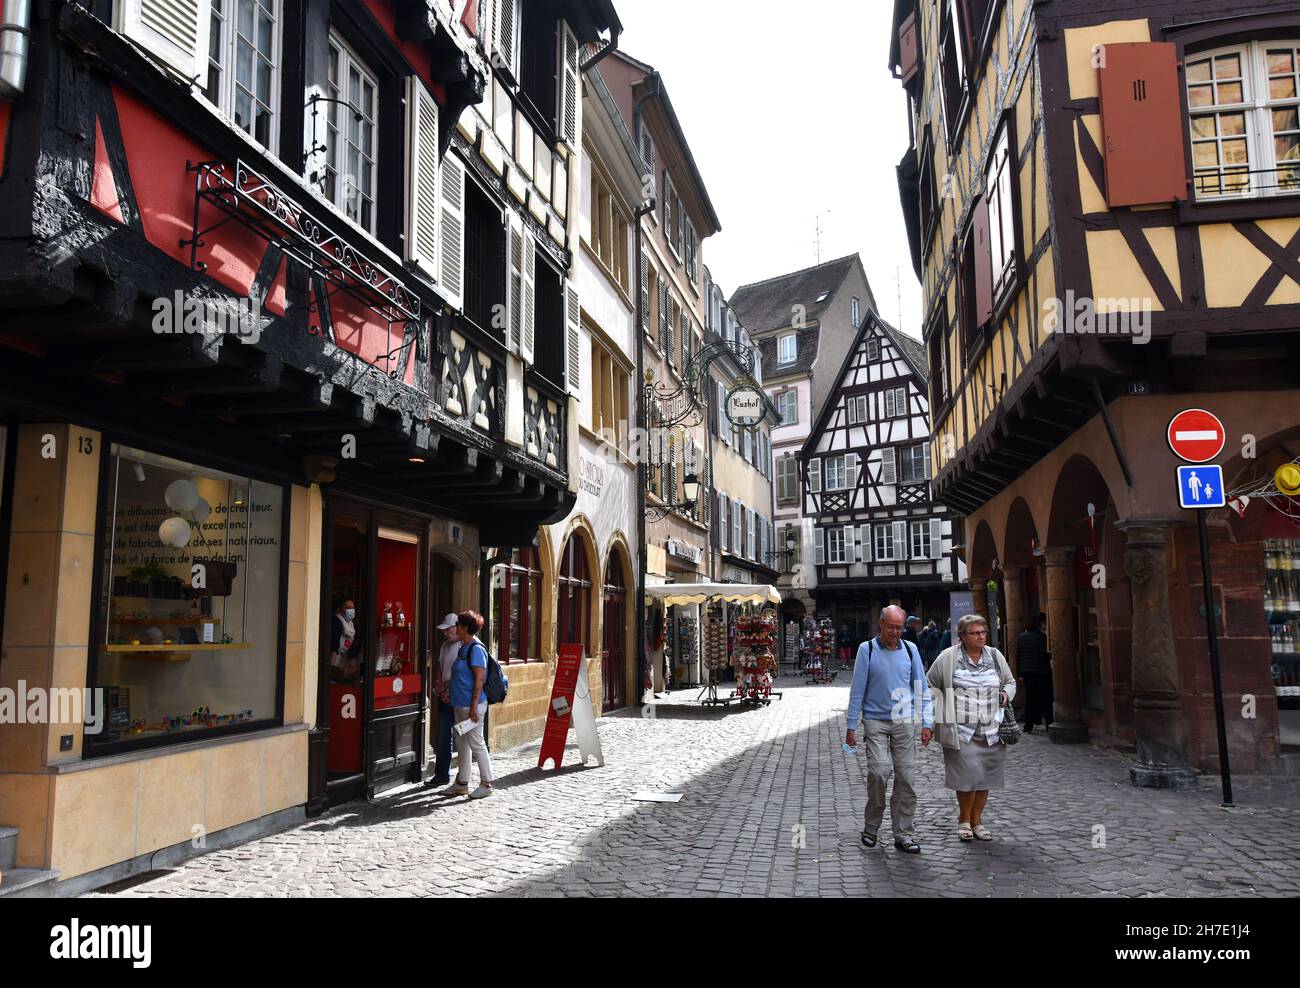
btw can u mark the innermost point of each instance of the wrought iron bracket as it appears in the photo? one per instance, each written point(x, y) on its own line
point(685, 404)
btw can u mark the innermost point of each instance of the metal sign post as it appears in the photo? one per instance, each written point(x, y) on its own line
point(1212, 630)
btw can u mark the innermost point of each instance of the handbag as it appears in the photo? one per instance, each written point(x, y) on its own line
point(1009, 731)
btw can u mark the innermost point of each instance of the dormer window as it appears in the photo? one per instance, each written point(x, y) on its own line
point(787, 349)
point(822, 298)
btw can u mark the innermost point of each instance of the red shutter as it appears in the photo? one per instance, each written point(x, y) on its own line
point(983, 262)
point(908, 46)
point(1142, 124)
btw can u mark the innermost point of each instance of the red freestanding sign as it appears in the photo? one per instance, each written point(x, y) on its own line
point(560, 714)
point(1197, 436)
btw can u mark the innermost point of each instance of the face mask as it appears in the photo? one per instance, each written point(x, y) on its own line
point(350, 614)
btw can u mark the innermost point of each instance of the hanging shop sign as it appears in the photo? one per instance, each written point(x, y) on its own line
point(745, 405)
point(684, 550)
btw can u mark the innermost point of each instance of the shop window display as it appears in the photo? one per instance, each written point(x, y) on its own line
point(189, 612)
point(516, 629)
point(1282, 602)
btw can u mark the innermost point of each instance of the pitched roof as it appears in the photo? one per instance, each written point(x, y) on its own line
point(807, 346)
point(767, 305)
point(913, 350)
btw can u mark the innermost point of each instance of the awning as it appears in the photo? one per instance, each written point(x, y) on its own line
point(703, 593)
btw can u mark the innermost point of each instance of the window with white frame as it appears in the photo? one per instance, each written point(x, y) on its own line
point(857, 312)
point(914, 463)
point(922, 546)
point(837, 474)
point(351, 137)
point(886, 545)
point(857, 409)
point(243, 65)
point(1002, 232)
point(836, 546)
point(895, 403)
point(787, 403)
point(787, 349)
point(1244, 108)
point(787, 479)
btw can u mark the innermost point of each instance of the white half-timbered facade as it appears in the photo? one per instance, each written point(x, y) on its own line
point(878, 535)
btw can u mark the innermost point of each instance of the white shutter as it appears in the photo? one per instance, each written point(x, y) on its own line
point(815, 476)
point(888, 466)
point(174, 31)
point(572, 338)
point(851, 407)
point(567, 105)
point(864, 546)
point(819, 546)
point(528, 299)
point(900, 541)
point(504, 24)
point(423, 217)
point(925, 471)
point(852, 466)
point(862, 408)
point(722, 410)
point(451, 240)
point(514, 281)
point(850, 538)
point(936, 538)
point(724, 521)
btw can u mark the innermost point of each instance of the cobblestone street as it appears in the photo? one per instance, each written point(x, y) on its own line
point(771, 807)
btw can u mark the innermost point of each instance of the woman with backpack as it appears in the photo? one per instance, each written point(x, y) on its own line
point(469, 702)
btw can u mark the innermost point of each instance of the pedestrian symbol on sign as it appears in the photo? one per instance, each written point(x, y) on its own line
point(1201, 487)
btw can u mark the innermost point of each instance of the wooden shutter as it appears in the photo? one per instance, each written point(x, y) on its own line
point(423, 217)
point(514, 282)
point(925, 454)
point(983, 263)
point(850, 541)
point(900, 541)
point(1142, 124)
point(815, 476)
point(572, 338)
point(888, 466)
point(851, 406)
point(851, 468)
point(570, 95)
point(503, 32)
point(908, 49)
point(666, 191)
point(663, 313)
point(173, 31)
point(528, 299)
point(819, 546)
point(648, 152)
point(864, 545)
point(670, 327)
point(451, 231)
point(936, 538)
point(645, 292)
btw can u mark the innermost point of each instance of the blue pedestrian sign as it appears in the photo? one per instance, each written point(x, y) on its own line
point(1201, 487)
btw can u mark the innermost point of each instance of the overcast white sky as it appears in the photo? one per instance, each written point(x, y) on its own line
point(790, 112)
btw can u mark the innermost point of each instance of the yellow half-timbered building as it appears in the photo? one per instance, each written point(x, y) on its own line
point(1103, 205)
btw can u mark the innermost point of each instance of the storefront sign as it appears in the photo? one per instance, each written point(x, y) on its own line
point(684, 550)
point(960, 604)
point(591, 477)
point(745, 405)
point(570, 705)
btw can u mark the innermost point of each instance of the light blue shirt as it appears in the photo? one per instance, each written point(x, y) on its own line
point(885, 683)
point(472, 656)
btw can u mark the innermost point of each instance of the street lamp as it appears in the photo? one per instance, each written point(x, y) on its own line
point(691, 497)
point(786, 555)
point(691, 488)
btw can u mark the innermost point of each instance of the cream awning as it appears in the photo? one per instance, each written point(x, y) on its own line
point(702, 593)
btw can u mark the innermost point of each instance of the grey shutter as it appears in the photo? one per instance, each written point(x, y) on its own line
point(503, 32)
point(424, 215)
point(528, 324)
point(815, 476)
point(663, 313)
point(570, 94)
point(514, 281)
point(819, 546)
point(572, 339)
point(888, 466)
point(936, 538)
point(850, 550)
point(851, 467)
point(901, 548)
point(864, 545)
point(645, 292)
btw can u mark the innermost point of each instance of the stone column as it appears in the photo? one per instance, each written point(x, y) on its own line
point(1068, 726)
point(980, 593)
point(1157, 706)
point(1013, 585)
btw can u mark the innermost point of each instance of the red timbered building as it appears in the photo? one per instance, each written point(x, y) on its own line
point(287, 324)
point(879, 537)
point(1103, 204)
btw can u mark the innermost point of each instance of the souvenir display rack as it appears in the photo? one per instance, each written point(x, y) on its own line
point(819, 660)
point(755, 658)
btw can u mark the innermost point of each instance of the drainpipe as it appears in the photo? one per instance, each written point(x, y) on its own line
point(642, 212)
point(15, 39)
point(656, 81)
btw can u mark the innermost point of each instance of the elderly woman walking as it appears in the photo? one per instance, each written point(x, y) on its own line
point(973, 687)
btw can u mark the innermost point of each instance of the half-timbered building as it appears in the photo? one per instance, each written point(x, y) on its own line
point(879, 537)
point(1102, 205)
point(290, 358)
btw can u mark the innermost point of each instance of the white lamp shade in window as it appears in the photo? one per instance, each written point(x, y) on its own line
point(174, 532)
point(181, 496)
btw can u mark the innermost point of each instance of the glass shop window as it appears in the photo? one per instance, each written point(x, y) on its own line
point(189, 637)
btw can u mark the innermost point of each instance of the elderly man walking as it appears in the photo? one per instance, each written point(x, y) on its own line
point(887, 677)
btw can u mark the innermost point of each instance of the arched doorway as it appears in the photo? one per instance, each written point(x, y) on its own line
point(613, 653)
point(573, 611)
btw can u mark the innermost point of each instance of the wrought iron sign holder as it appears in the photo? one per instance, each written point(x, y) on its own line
point(252, 200)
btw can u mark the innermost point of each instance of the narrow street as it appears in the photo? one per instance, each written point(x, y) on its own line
point(754, 783)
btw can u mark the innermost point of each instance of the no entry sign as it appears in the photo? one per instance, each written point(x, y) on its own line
point(1197, 436)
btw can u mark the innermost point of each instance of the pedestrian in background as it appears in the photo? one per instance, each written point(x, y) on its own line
point(846, 645)
point(912, 633)
point(929, 645)
point(1034, 665)
point(886, 678)
point(974, 685)
point(468, 673)
point(443, 710)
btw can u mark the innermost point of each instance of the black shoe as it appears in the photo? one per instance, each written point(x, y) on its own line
point(437, 783)
point(907, 846)
point(869, 840)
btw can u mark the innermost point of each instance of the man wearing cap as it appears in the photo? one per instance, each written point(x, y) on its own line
point(442, 702)
point(912, 632)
